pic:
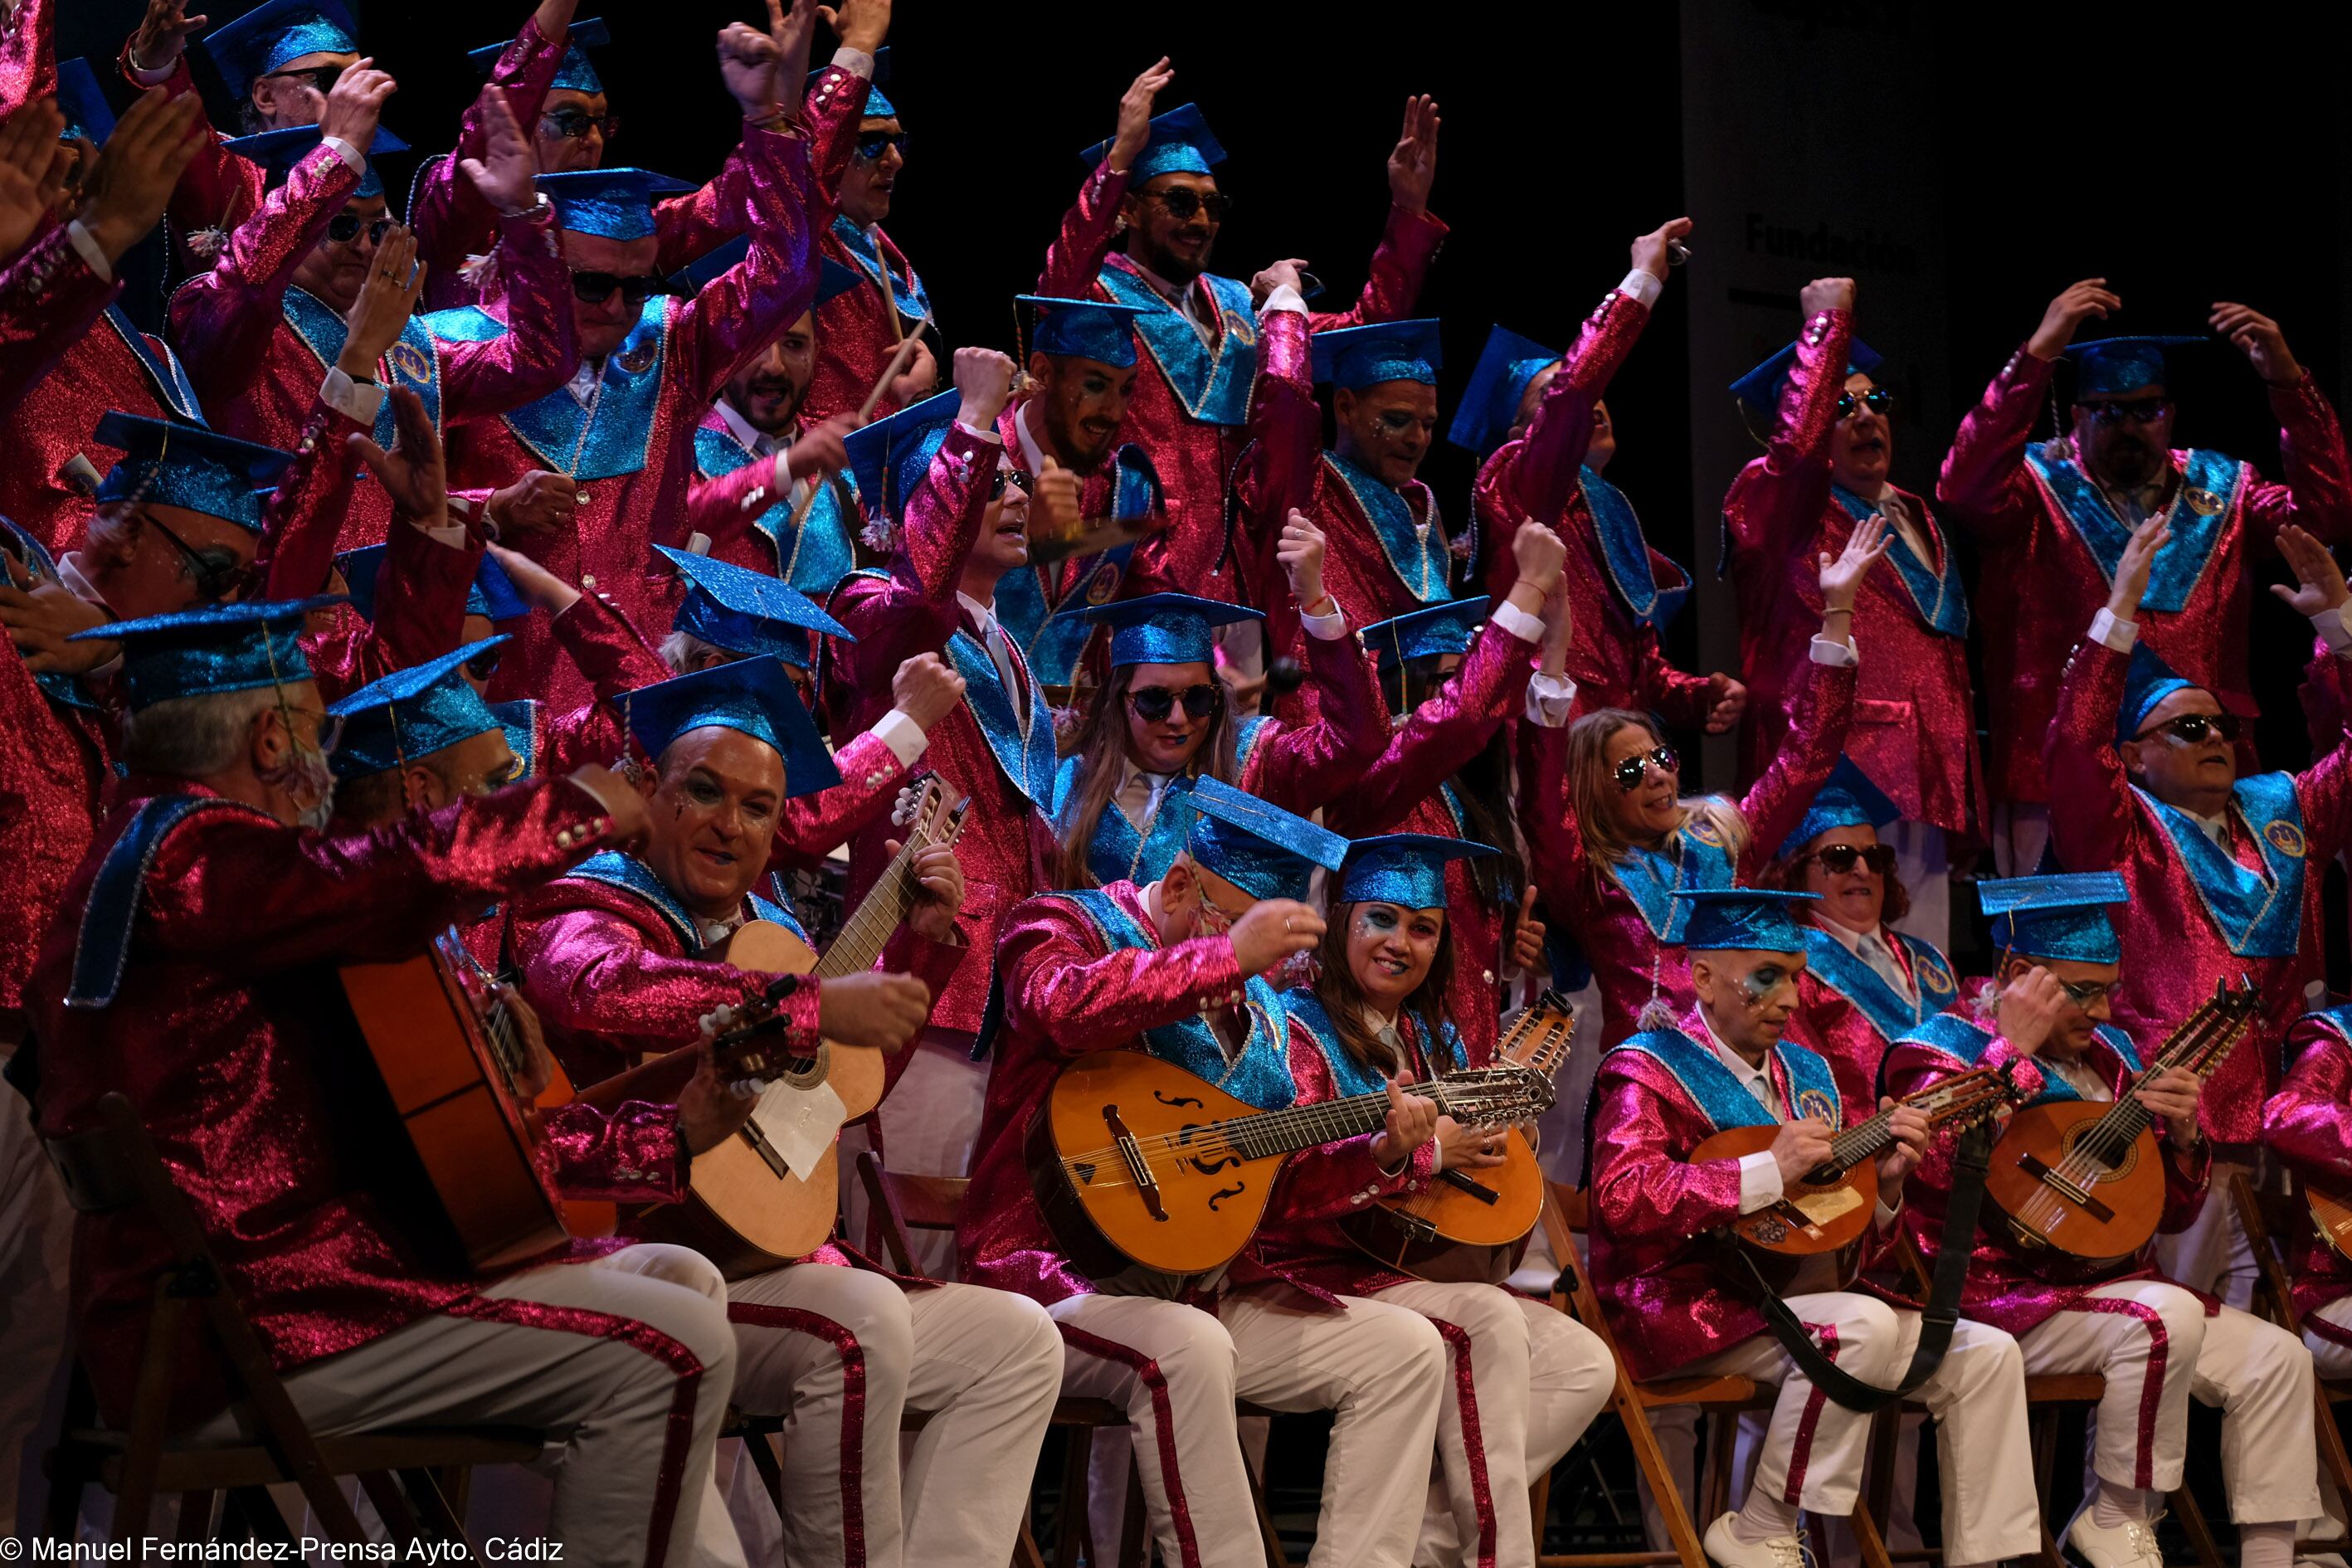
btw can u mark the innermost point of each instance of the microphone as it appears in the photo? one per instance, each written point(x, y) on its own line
point(1283, 676)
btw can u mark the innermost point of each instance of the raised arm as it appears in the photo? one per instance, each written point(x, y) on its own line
point(2323, 790)
point(1410, 241)
point(28, 56)
point(2317, 495)
point(1305, 766)
point(1278, 471)
point(541, 350)
point(453, 219)
point(743, 310)
point(1775, 505)
point(2093, 819)
point(943, 516)
point(1821, 713)
point(1984, 486)
point(1092, 222)
point(874, 766)
point(216, 183)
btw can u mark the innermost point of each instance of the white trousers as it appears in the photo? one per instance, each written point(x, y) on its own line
point(930, 1123)
point(626, 1363)
point(2329, 1357)
point(2214, 1254)
point(842, 1353)
point(1923, 864)
point(36, 1246)
point(2155, 1347)
point(1813, 1447)
point(1383, 1369)
point(1525, 1381)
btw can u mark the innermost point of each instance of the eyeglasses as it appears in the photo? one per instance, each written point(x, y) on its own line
point(2087, 993)
point(2193, 729)
point(2142, 411)
point(1183, 203)
point(573, 124)
point(1629, 773)
point(1005, 478)
point(483, 665)
point(217, 574)
point(1878, 400)
point(596, 288)
point(1839, 859)
point(1153, 704)
point(322, 79)
point(873, 143)
point(331, 726)
point(344, 228)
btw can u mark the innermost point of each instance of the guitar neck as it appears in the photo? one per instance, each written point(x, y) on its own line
point(1273, 1133)
point(869, 928)
point(1868, 1139)
point(2200, 1043)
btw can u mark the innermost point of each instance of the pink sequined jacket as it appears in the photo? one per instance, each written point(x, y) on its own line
point(2308, 1124)
point(1065, 996)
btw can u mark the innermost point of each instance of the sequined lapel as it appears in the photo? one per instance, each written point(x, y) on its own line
point(1212, 382)
point(1417, 555)
point(166, 379)
point(1937, 592)
point(415, 359)
point(2201, 509)
point(610, 438)
point(2258, 916)
point(1627, 553)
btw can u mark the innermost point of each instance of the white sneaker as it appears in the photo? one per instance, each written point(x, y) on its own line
point(1726, 1550)
point(2129, 1545)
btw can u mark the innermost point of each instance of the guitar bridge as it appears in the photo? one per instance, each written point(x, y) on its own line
point(1416, 1229)
point(1129, 1152)
point(751, 1134)
point(2071, 1191)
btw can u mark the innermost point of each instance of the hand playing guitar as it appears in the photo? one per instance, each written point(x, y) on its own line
point(871, 1008)
point(1412, 1120)
point(940, 877)
point(1909, 1125)
point(2031, 1006)
point(709, 1111)
point(2173, 1094)
point(1461, 1148)
point(1799, 1149)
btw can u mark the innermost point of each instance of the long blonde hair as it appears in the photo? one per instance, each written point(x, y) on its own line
point(1102, 745)
point(1592, 787)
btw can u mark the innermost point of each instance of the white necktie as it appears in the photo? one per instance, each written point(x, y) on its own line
point(991, 636)
point(1138, 797)
point(1876, 955)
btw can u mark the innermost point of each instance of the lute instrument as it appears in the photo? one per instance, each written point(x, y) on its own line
point(1136, 1162)
point(2086, 1178)
point(1467, 1226)
point(2331, 1213)
point(745, 1208)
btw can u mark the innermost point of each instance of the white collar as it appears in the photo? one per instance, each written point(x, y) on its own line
point(1851, 939)
point(585, 382)
point(1033, 456)
point(984, 614)
point(744, 430)
point(1174, 293)
point(1758, 1079)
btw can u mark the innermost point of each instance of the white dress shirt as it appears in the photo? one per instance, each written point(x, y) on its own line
point(1877, 949)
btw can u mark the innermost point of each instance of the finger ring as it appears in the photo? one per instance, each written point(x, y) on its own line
point(1285, 924)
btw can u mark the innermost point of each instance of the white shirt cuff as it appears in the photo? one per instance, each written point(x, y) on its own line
point(1641, 286)
point(990, 437)
point(360, 401)
point(2335, 627)
point(1836, 655)
point(1516, 621)
point(902, 735)
point(453, 535)
point(87, 249)
point(1759, 1182)
point(1330, 627)
point(146, 78)
point(350, 155)
point(2119, 634)
point(1282, 297)
point(856, 62)
point(1550, 698)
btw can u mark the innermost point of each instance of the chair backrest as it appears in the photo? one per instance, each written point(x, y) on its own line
point(902, 1202)
point(2270, 1257)
point(1567, 1214)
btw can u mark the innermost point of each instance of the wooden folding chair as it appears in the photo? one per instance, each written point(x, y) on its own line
point(1565, 1215)
point(2275, 1287)
point(114, 1167)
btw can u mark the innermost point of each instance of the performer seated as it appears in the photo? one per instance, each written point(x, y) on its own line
point(194, 971)
point(2154, 1343)
point(1865, 984)
point(1527, 1379)
point(1728, 1063)
point(2304, 1122)
point(1611, 835)
point(1178, 967)
point(622, 959)
point(1164, 719)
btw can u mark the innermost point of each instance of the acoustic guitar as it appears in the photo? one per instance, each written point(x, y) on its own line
point(1829, 1209)
point(1136, 1162)
point(2331, 1213)
point(1468, 1226)
point(2086, 1178)
point(745, 1209)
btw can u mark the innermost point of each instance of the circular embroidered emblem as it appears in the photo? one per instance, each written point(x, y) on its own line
point(1241, 328)
point(1812, 1102)
point(409, 364)
point(1103, 584)
point(1703, 830)
point(1933, 975)
point(639, 360)
point(2285, 836)
point(2203, 502)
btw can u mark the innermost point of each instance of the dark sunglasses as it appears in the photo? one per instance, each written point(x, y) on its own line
point(2191, 729)
point(1183, 203)
point(596, 288)
point(483, 665)
point(1839, 859)
point(322, 78)
point(1005, 478)
point(344, 228)
point(1629, 773)
point(1153, 704)
point(573, 124)
point(873, 143)
point(217, 573)
point(2141, 411)
point(1878, 400)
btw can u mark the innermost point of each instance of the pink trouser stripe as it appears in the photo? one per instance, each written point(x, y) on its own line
point(2151, 1390)
point(1163, 1427)
point(1800, 1451)
point(1474, 1442)
point(793, 1320)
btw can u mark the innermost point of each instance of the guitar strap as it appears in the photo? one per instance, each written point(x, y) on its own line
point(1970, 1159)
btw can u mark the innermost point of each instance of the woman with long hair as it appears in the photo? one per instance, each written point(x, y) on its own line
point(1163, 719)
point(1612, 836)
point(1451, 684)
point(1526, 1379)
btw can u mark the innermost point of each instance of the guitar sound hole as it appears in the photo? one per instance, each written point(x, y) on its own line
point(1222, 1193)
point(1209, 1167)
point(1164, 1098)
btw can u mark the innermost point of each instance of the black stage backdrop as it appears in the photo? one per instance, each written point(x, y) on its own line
point(1984, 156)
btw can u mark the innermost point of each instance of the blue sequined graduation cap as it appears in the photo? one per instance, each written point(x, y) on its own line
point(1743, 919)
point(212, 649)
point(165, 464)
point(266, 37)
point(1163, 628)
point(748, 613)
point(1081, 329)
point(492, 594)
point(1355, 357)
point(411, 713)
point(1490, 404)
point(751, 695)
point(574, 72)
point(84, 102)
point(1848, 799)
point(889, 456)
point(1407, 869)
point(617, 204)
point(2062, 917)
point(2147, 681)
point(2107, 366)
point(279, 151)
point(1759, 389)
point(1263, 850)
point(1182, 143)
point(1449, 628)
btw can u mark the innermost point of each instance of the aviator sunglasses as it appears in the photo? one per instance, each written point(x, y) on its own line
point(1183, 203)
point(1878, 400)
point(1628, 773)
point(596, 288)
point(2192, 728)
